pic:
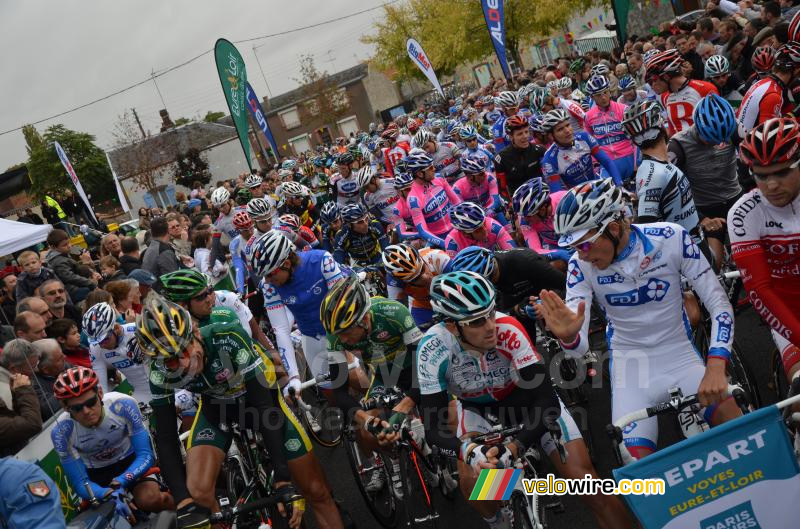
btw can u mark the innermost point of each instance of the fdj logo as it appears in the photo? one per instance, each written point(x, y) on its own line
point(574, 274)
point(607, 280)
point(725, 323)
point(654, 290)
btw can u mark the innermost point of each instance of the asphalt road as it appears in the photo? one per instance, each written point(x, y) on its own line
point(754, 342)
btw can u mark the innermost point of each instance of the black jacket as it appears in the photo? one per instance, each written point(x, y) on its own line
point(66, 269)
point(128, 264)
point(516, 166)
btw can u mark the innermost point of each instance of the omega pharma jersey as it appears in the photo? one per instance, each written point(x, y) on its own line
point(393, 329)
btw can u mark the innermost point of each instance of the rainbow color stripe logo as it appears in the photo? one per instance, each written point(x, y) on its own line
point(495, 484)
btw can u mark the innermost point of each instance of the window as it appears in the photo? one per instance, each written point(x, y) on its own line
point(312, 107)
point(300, 144)
point(290, 118)
point(340, 101)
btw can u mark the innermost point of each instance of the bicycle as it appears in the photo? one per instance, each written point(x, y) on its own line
point(686, 407)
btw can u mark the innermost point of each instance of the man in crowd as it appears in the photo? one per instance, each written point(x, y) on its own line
point(55, 295)
point(36, 305)
point(129, 258)
point(29, 326)
point(52, 363)
point(20, 417)
point(67, 268)
point(160, 257)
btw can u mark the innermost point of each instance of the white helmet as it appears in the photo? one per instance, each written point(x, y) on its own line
point(293, 189)
point(507, 99)
point(364, 175)
point(252, 181)
point(589, 206)
point(220, 197)
point(422, 137)
point(98, 321)
point(260, 209)
point(269, 251)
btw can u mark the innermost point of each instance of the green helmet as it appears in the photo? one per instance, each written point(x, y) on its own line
point(462, 296)
point(577, 65)
point(243, 196)
point(183, 285)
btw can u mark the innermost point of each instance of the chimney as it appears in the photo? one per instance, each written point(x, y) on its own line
point(166, 122)
point(265, 103)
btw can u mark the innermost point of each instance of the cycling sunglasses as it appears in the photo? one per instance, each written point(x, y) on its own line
point(478, 322)
point(586, 245)
point(89, 403)
point(203, 295)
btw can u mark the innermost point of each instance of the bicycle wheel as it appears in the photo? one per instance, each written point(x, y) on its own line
point(740, 373)
point(417, 491)
point(322, 421)
point(521, 506)
point(237, 476)
point(778, 384)
point(381, 503)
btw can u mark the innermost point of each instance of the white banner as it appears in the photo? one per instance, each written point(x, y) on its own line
point(122, 200)
point(417, 55)
point(71, 172)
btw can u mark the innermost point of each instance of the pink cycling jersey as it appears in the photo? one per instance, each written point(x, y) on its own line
point(606, 127)
point(403, 222)
point(497, 238)
point(483, 194)
point(429, 204)
point(540, 236)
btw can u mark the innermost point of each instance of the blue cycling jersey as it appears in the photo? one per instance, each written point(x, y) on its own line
point(498, 134)
point(480, 153)
point(572, 165)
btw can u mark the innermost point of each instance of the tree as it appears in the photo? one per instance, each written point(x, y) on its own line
point(191, 166)
point(182, 121)
point(135, 154)
point(324, 102)
point(48, 176)
point(213, 117)
point(453, 32)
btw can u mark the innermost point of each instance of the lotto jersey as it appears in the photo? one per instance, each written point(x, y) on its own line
point(680, 105)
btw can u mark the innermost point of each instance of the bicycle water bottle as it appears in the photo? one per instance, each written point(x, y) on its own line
point(417, 430)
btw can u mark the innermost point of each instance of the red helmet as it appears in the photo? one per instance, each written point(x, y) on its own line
point(242, 221)
point(515, 122)
point(794, 28)
point(74, 382)
point(774, 141)
point(413, 125)
point(763, 58)
point(390, 133)
point(669, 61)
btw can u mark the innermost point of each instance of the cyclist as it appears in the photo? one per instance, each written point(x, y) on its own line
point(473, 149)
point(634, 272)
point(361, 238)
point(569, 160)
point(218, 363)
point(678, 94)
point(343, 184)
point(295, 283)
point(330, 220)
point(603, 122)
point(534, 206)
point(445, 154)
point(471, 227)
point(262, 211)
point(244, 225)
point(769, 97)
point(521, 160)
point(394, 150)
point(718, 72)
point(190, 290)
point(221, 199)
point(380, 196)
point(764, 230)
point(297, 201)
point(565, 101)
point(113, 345)
point(487, 361)
point(254, 183)
point(301, 236)
point(404, 225)
point(103, 444)
point(508, 103)
point(763, 60)
point(630, 95)
point(429, 199)
point(706, 155)
point(479, 187)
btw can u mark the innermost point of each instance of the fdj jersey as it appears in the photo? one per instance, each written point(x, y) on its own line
point(127, 357)
point(393, 329)
point(571, 165)
point(665, 195)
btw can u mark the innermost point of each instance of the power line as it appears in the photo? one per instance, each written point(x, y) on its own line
point(189, 61)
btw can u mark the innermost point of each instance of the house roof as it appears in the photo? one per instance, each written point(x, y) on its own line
point(162, 149)
point(343, 78)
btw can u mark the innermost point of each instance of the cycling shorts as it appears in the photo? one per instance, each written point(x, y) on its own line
point(471, 422)
point(207, 429)
point(104, 475)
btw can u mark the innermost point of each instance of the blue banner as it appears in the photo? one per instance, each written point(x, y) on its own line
point(495, 23)
point(740, 474)
point(258, 115)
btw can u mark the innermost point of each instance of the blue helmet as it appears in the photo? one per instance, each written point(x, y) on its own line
point(468, 132)
point(473, 259)
point(472, 165)
point(597, 84)
point(403, 180)
point(462, 296)
point(535, 122)
point(353, 212)
point(530, 196)
point(418, 160)
point(329, 213)
point(627, 83)
point(289, 164)
point(714, 119)
point(467, 216)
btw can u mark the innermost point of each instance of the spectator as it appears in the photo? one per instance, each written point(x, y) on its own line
point(739, 50)
point(37, 305)
point(110, 245)
point(96, 296)
point(29, 326)
point(145, 280)
point(690, 55)
point(771, 13)
point(66, 333)
point(52, 363)
point(727, 29)
point(129, 259)
point(54, 294)
point(160, 257)
point(8, 300)
point(636, 67)
point(20, 416)
point(110, 269)
point(33, 274)
point(66, 268)
point(706, 28)
point(179, 236)
point(126, 295)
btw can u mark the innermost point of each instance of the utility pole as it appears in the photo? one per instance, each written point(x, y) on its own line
point(136, 117)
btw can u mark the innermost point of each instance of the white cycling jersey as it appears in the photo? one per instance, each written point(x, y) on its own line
point(127, 358)
point(226, 298)
point(665, 194)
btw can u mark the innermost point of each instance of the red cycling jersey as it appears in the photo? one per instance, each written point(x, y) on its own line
point(765, 242)
point(680, 105)
point(763, 101)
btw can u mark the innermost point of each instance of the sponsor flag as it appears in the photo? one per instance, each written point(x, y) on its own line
point(258, 115)
point(419, 57)
point(495, 23)
point(621, 8)
point(496, 484)
point(74, 177)
point(233, 77)
point(122, 200)
point(728, 477)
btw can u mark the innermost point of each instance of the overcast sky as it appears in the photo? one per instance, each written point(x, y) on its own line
point(61, 54)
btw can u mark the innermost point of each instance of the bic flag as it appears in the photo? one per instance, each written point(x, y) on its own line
point(232, 75)
point(417, 55)
point(740, 474)
point(258, 115)
point(74, 177)
point(495, 22)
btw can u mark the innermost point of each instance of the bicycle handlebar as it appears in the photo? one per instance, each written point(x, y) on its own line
point(230, 514)
point(324, 377)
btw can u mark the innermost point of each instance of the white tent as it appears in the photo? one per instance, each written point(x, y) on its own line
point(602, 40)
point(20, 235)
